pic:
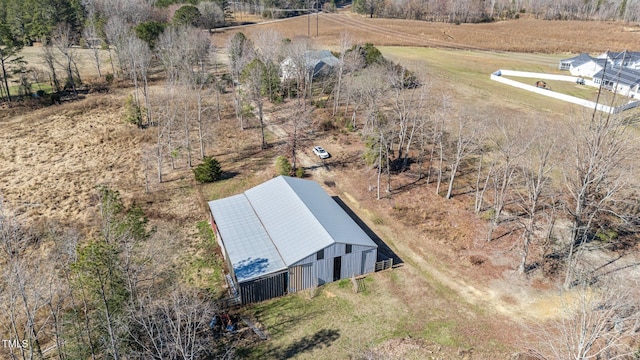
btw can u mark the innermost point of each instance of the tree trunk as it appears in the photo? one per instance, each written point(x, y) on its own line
point(237, 105)
point(200, 127)
point(388, 170)
point(4, 77)
point(70, 75)
point(379, 166)
point(159, 161)
point(526, 241)
point(476, 208)
point(147, 104)
point(187, 137)
point(440, 165)
point(109, 322)
point(454, 170)
point(260, 115)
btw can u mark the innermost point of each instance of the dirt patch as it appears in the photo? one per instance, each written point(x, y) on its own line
point(410, 348)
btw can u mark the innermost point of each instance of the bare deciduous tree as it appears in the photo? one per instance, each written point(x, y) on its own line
point(176, 327)
point(63, 38)
point(534, 172)
point(345, 44)
point(241, 52)
point(252, 76)
point(92, 37)
point(409, 113)
point(466, 132)
point(596, 171)
point(269, 50)
point(138, 56)
point(298, 67)
point(509, 143)
point(598, 321)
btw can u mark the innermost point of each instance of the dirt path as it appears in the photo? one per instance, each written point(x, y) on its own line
point(507, 296)
point(305, 157)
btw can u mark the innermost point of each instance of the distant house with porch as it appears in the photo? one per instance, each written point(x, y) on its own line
point(627, 59)
point(315, 64)
point(287, 235)
point(614, 71)
point(622, 80)
point(583, 65)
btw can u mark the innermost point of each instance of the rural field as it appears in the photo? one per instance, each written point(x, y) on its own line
point(454, 295)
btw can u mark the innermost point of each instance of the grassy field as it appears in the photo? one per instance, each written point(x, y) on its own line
point(466, 73)
point(523, 35)
point(439, 304)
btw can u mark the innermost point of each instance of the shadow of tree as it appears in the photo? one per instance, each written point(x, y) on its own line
point(229, 175)
point(320, 339)
point(250, 267)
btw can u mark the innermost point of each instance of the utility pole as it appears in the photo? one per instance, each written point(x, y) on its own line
point(308, 17)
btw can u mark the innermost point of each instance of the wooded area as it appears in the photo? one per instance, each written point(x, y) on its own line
point(474, 11)
point(558, 189)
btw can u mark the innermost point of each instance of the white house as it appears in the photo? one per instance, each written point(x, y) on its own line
point(615, 71)
point(628, 59)
point(582, 65)
point(315, 62)
point(622, 80)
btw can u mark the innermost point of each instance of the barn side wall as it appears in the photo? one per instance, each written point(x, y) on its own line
point(310, 272)
point(223, 249)
point(264, 288)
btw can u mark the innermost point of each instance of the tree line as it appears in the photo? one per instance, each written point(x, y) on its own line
point(62, 26)
point(474, 11)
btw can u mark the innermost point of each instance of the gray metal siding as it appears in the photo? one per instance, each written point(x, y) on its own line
point(264, 288)
point(368, 261)
point(318, 272)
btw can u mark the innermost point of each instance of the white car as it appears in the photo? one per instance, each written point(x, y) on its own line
point(322, 153)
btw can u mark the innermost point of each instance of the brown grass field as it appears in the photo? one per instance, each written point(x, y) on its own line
point(455, 297)
point(523, 35)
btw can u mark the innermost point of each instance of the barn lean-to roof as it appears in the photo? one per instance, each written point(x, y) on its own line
point(289, 219)
point(255, 255)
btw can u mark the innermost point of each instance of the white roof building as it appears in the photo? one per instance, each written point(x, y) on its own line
point(288, 234)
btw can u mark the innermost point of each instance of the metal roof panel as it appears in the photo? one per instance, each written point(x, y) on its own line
point(290, 224)
point(250, 250)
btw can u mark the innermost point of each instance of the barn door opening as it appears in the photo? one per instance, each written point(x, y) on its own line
point(337, 267)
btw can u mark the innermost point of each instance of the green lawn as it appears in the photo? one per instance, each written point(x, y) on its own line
point(333, 322)
point(468, 73)
point(15, 90)
point(570, 88)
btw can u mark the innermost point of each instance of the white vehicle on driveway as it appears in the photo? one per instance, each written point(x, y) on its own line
point(322, 153)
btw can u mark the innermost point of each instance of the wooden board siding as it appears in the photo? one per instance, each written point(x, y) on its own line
point(301, 277)
point(264, 288)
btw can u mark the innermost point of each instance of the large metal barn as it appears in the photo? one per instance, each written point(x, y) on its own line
point(286, 235)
